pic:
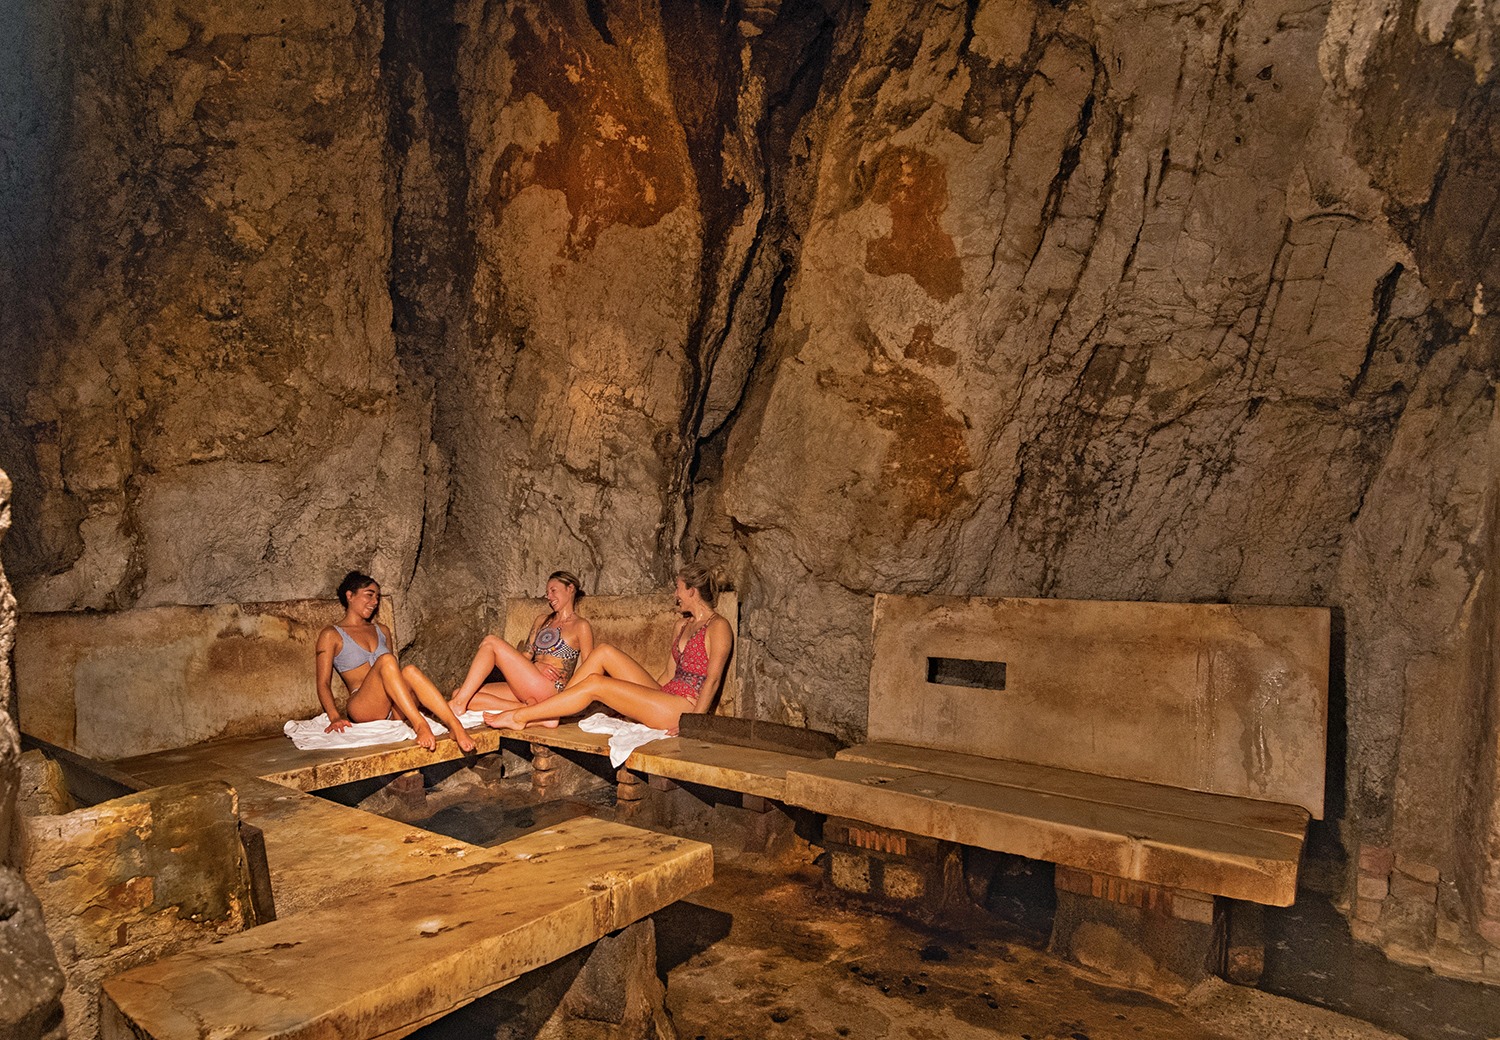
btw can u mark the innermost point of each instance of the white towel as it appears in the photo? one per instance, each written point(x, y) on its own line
point(625, 736)
point(308, 735)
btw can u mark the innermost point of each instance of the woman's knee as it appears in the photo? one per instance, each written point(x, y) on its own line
point(411, 673)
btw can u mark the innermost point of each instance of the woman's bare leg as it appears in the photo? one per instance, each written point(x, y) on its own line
point(383, 687)
point(517, 668)
point(495, 696)
point(433, 700)
point(608, 659)
point(646, 704)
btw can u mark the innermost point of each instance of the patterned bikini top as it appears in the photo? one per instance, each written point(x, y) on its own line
point(550, 641)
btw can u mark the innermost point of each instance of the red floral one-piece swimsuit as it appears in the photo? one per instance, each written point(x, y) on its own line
point(692, 667)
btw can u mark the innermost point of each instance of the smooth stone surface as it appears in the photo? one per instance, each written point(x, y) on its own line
point(1138, 843)
point(427, 946)
point(1290, 820)
point(129, 683)
point(1225, 699)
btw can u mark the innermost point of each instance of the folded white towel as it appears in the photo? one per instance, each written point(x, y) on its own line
point(309, 735)
point(625, 736)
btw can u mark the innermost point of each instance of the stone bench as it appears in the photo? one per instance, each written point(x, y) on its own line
point(1160, 754)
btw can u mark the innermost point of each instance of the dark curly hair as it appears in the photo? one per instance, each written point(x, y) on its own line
point(352, 583)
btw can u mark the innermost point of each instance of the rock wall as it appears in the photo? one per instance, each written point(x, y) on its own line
point(202, 398)
point(1083, 300)
point(31, 983)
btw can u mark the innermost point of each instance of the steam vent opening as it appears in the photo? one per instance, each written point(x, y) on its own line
point(387, 389)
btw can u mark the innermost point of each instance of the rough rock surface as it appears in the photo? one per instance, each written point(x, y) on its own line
point(134, 879)
point(1085, 299)
point(31, 983)
point(201, 376)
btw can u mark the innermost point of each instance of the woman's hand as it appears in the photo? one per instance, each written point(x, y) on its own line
point(337, 726)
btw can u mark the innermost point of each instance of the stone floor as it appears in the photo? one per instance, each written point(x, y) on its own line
point(769, 952)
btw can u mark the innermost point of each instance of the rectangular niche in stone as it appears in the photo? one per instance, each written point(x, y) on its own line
point(974, 675)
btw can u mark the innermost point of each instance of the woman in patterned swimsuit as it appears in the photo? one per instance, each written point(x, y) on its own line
point(701, 643)
point(539, 667)
point(379, 687)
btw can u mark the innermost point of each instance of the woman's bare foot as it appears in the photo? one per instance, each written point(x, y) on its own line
point(458, 704)
point(425, 740)
point(465, 744)
point(502, 720)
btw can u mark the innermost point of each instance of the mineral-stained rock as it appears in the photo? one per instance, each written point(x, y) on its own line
point(43, 789)
point(561, 394)
point(131, 880)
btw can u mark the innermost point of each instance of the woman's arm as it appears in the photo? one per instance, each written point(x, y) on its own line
point(328, 646)
point(718, 641)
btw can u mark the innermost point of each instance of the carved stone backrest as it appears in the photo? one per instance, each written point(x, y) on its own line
point(639, 625)
point(1210, 697)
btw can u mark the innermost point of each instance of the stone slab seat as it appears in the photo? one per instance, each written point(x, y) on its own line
point(1179, 745)
point(386, 962)
point(1141, 840)
point(729, 767)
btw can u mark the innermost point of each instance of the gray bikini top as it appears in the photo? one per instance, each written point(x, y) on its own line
point(351, 655)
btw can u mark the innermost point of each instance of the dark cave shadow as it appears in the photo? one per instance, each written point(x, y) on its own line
point(684, 930)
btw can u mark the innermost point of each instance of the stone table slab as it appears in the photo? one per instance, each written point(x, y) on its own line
point(419, 948)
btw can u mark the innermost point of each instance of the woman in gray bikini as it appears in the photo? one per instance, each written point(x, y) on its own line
point(359, 649)
point(538, 668)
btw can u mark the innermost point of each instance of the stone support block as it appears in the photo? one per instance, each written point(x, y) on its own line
point(629, 787)
point(1412, 890)
point(1425, 873)
point(1365, 932)
point(1489, 930)
point(606, 991)
point(410, 789)
point(849, 872)
point(1143, 935)
point(1368, 910)
point(919, 873)
point(1376, 860)
point(1245, 953)
point(1375, 888)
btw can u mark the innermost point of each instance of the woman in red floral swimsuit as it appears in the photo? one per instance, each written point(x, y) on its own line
point(701, 643)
